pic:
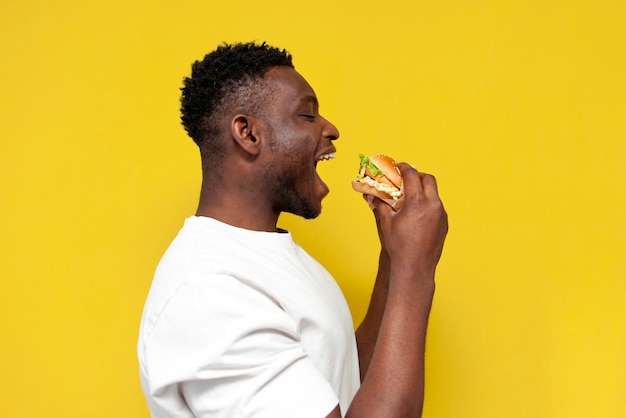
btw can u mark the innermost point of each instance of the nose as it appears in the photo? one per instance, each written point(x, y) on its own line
point(330, 130)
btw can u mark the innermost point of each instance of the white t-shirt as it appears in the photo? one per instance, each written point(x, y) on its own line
point(242, 323)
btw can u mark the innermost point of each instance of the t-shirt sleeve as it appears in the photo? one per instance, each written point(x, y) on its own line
point(223, 348)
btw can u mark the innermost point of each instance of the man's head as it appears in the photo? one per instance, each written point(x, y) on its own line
point(227, 80)
point(257, 123)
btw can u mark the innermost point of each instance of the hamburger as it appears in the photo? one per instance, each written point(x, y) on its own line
point(379, 176)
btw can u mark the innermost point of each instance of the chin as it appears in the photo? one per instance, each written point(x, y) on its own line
point(305, 209)
point(308, 212)
point(311, 215)
point(305, 202)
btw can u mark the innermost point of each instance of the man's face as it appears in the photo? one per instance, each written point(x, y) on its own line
point(300, 138)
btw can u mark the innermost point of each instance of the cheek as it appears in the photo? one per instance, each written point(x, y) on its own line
point(293, 148)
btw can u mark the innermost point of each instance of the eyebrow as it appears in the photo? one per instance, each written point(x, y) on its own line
point(309, 99)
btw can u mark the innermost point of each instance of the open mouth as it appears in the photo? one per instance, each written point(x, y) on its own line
point(323, 157)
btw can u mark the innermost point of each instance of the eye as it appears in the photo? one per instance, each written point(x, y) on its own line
point(309, 117)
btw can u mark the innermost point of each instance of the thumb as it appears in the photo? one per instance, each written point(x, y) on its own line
point(371, 201)
point(376, 205)
point(382, 211)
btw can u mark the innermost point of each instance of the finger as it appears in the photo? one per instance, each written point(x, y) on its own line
point(370, 200)
point(379, 207)
point(429, 183)
point(410, 178)
point(382, 211)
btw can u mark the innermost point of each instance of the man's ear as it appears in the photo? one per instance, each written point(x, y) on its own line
point(245, 132)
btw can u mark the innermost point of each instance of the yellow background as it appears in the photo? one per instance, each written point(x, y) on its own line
point(518, 107)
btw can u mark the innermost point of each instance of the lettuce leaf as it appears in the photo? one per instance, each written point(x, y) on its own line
point(366, 162)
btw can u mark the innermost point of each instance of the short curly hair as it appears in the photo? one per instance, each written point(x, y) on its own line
point(226, 79)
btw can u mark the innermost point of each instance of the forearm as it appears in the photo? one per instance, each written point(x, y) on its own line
point(367, 332)
point(394, 383)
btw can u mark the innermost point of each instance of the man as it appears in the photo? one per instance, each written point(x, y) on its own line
point(240, 321)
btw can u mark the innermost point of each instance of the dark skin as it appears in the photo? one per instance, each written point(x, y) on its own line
point(282, 147)
point(270, 161)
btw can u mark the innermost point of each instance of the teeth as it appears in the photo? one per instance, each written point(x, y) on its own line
point(326, 157)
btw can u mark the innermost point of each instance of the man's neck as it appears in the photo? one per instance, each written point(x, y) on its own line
point(235, 216)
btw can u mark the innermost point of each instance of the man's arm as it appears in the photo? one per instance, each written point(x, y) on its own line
point(367, 332)
point(392, 337)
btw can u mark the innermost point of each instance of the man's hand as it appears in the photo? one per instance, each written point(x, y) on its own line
point(413, 236)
